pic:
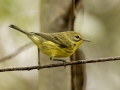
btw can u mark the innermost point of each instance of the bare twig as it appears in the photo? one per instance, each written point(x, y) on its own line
point(19, 50)
point(60, 64)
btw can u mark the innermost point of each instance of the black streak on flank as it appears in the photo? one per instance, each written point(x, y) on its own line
point(63, 46)
point(74, 45)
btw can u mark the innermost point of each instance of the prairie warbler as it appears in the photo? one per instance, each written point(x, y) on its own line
point(60, 44)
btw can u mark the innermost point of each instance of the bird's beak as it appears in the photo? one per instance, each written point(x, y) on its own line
point(86, 40)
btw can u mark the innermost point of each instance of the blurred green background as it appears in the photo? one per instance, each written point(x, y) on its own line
point(100, 23)
point(24, 13)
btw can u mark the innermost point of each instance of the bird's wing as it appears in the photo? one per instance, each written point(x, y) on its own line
point(56, 39)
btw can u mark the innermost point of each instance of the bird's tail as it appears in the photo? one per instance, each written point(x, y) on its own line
point(17, 28)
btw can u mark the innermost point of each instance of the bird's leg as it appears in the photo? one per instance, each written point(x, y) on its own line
point(64, 62)
point(38, 57)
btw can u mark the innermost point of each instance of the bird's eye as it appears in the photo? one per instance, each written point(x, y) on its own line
point(77, 36)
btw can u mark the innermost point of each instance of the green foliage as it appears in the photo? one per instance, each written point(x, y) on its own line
point(7, 7)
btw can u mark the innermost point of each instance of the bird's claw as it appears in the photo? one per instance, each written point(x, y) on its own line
point(64, 62)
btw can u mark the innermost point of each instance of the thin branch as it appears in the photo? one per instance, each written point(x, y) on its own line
point(60, 64)
point(19, 50)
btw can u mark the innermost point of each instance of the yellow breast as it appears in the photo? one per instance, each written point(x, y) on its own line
point(53, 50)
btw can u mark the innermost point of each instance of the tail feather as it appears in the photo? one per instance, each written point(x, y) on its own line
point(17, 28)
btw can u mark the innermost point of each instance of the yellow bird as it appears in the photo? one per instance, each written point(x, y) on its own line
point(60, 44)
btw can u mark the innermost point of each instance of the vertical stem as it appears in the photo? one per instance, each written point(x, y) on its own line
point(77, 75)
point(72, 18)
point(72, 73)
point(72, 58)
